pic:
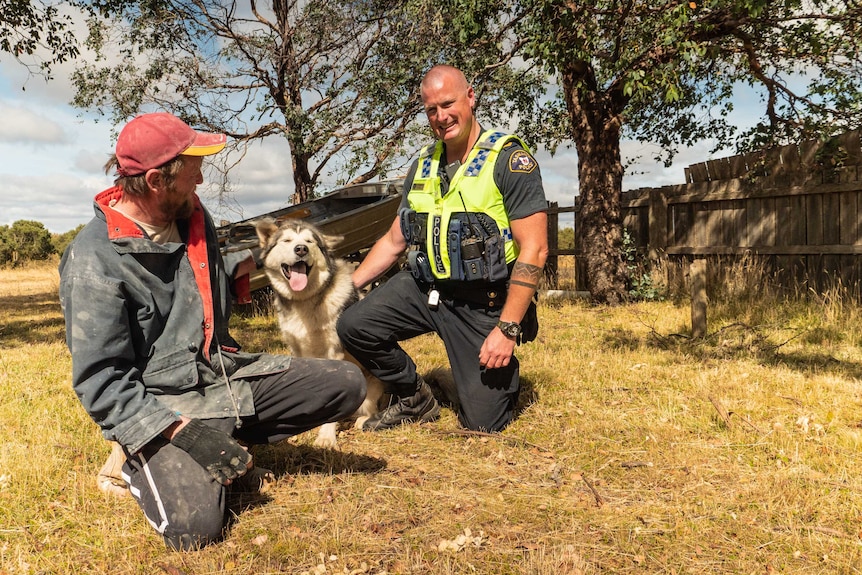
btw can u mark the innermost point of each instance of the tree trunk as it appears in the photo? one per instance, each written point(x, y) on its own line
point(596, 133)
point(302, 184)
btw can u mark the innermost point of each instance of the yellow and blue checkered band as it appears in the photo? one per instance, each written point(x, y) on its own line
point(486, 145)
point(426, 167)
point(476, 165)
point(492, 139)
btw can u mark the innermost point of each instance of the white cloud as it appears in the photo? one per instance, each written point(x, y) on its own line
point(23, 126)
point(91, 161)
point(265, 163)
point(57, 201)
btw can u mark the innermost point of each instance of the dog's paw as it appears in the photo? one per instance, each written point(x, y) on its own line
point(326, 436)
point(326, 442)
point(360, 421)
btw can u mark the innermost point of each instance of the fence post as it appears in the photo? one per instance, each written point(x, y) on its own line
point(658, 239)
point(697, 271)
point(551, 265)
point(657, 223)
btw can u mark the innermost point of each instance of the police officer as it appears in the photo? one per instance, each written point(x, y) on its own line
point(473, 223)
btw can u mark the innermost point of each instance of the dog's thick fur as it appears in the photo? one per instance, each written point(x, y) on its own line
point(310, 290)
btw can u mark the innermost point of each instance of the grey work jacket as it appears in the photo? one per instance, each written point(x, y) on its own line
point(147, 327)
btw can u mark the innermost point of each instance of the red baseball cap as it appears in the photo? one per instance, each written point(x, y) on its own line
point(152, 140)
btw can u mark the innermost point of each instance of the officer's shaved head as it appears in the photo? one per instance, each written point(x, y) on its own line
point(443, 73)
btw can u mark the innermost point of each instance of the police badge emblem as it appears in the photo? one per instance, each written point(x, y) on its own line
point(521, 162)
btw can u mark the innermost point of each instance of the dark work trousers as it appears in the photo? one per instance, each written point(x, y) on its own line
point(398, 310)
point(183, 502)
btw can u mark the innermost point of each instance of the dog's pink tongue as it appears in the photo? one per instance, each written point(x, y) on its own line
point(298, 276)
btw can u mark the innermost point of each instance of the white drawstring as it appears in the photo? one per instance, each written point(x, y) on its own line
point(227, 383)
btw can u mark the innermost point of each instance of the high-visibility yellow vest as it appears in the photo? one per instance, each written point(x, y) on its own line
point(472, 190)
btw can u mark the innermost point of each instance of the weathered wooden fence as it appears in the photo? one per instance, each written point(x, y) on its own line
point(554, 250)
point(799, 207)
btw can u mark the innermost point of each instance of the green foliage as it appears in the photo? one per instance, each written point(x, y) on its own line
point(62, 241)
point(641, 286)
point(24, 241)
point(28, 28)
point(7, 248)
point(671, 67)
point(831, 157)
point(566, 238)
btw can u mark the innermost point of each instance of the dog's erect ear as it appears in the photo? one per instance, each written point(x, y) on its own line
point(265, 227)
point(331, 240)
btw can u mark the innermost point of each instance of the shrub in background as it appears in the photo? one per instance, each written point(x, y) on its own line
point(24, 241)
point(642, 285)
point(62, 241)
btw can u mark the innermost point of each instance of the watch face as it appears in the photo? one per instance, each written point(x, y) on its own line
point(511, 329)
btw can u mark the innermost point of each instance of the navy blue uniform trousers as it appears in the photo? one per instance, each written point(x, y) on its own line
point(397, 310)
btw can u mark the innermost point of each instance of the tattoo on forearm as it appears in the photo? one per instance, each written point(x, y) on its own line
point(526, 275)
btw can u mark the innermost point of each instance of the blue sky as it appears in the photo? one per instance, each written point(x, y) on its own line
point(52, 157)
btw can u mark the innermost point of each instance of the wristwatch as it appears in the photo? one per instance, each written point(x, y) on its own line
point(510, 328)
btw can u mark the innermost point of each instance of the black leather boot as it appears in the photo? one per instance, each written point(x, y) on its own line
point(420, 407)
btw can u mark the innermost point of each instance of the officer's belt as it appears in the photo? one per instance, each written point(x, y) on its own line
point(487, 295)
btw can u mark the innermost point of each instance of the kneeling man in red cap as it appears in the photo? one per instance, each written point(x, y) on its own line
point(146, 296)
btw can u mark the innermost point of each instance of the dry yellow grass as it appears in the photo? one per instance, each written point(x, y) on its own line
point(637, 450)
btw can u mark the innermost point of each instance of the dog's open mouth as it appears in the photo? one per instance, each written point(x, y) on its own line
point(296, 275)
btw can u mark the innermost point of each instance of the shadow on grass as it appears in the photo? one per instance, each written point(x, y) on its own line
point(285, 458)
point(735, 342)
point(527, 397)
point(31, 319)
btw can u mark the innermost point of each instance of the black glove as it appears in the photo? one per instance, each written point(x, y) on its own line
point(214, 450)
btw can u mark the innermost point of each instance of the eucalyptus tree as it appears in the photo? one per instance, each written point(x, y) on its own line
point(37, 34)
point(337, 80)
point(665, 71)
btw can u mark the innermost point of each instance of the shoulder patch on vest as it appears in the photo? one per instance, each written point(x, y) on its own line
point(521, 162)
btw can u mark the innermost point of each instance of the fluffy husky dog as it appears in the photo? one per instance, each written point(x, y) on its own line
point(310, 290)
